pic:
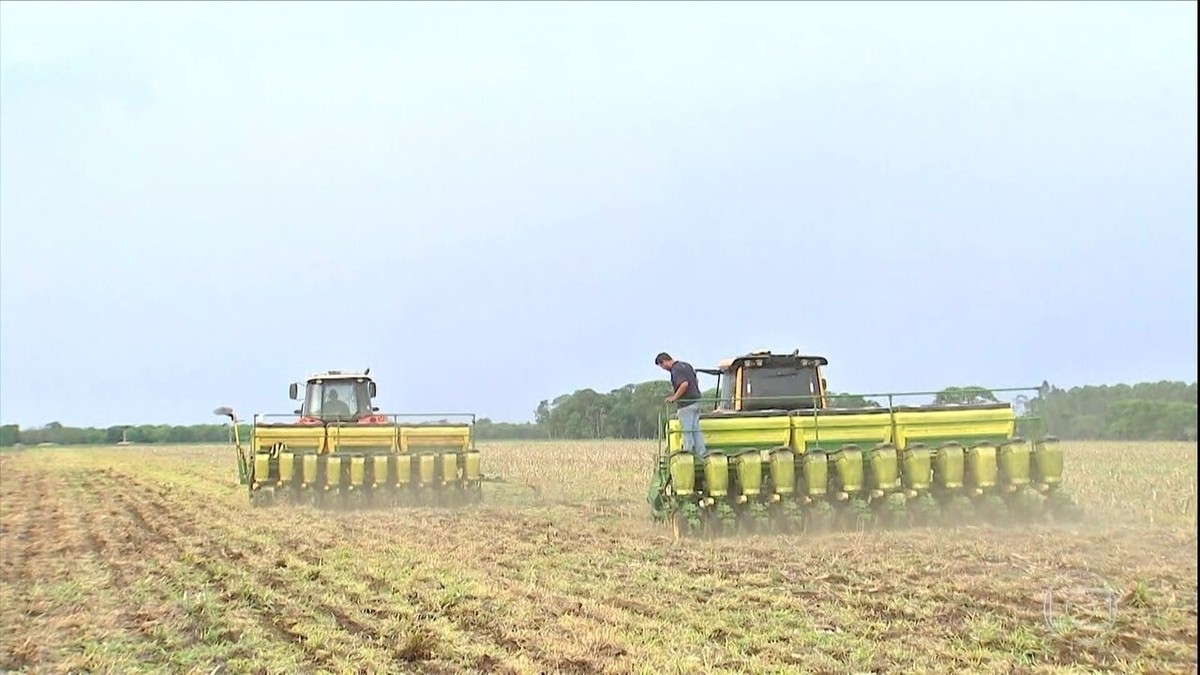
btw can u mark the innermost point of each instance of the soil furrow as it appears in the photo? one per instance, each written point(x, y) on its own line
point(237, 547)
point(544, 605)
point(112, 560)
point(312, 555)
point(159, 528)
point(241, 550)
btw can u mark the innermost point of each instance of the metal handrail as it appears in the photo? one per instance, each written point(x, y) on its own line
point(395, 417)
point(816, 412)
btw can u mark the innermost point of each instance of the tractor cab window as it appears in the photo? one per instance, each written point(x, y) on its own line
point(782, 386)
point(725, 392)
point(334, 399)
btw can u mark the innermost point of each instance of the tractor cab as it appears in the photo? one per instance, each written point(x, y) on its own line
point(762, 380)
point(336, 396)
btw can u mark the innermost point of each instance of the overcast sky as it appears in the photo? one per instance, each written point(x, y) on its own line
point(494, 204)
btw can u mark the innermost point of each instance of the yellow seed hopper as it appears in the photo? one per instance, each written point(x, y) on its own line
point(337, 449)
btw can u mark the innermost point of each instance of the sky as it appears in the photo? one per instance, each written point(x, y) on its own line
point(494, 204)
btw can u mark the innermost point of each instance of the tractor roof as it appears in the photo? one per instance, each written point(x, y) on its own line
point(340, 375)
point(725, 365)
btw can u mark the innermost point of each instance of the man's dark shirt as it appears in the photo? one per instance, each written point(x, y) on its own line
point(682, 371)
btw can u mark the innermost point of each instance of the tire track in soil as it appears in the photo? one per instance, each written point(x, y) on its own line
point(477, 633)
point(14, 523)
point(132, 556)
point(22, 549)
point(309, 553)
point(142, 509)
point(43, 548)
point(55, 547)
point(519, 549)
point(547, 604)
point(129, 556)
point(270, 577)
point(85, 509)
point(504, 573)
point(25, 542)
point(58, 515)
point(215, 578)
point(574, 582)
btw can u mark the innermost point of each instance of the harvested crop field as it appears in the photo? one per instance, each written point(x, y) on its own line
point(145, 559)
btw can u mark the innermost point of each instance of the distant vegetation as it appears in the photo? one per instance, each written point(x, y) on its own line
point(55, 432)
point(1151, 411)
point(1145, 411)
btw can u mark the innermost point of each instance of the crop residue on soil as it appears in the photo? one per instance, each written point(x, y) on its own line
point(148, 559)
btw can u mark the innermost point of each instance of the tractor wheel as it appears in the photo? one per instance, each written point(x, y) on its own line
point(1063, 508)
point(678, 525)
point(892, 511)
point(923, 510)
point(819, 518)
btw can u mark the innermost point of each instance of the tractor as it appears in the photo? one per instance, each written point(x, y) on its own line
point(338, 450)
point(786, 455)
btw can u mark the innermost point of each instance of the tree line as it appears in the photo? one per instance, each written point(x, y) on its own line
point(1145, 411)
point(59, 434)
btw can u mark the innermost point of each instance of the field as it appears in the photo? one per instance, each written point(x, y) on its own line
point(144, 559)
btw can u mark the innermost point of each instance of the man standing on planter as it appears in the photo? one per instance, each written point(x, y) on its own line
point(686, 394)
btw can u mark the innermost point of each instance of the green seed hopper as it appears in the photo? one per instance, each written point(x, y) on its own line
point(786, 455)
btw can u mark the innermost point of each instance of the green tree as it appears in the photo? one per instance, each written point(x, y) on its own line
point(844, 400)
point(10, 435)
point(971, 394)
point(1162, 410)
